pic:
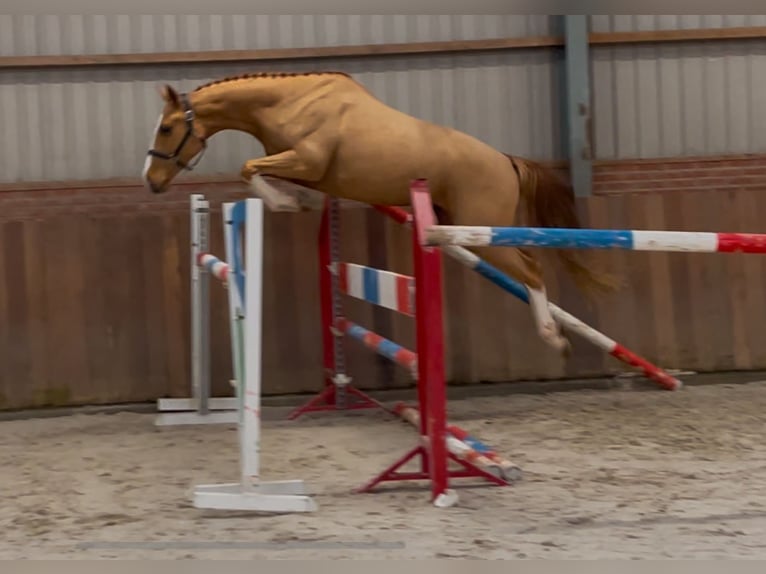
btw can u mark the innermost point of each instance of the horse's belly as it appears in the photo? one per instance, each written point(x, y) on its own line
point(379, 175)
point(374, 188)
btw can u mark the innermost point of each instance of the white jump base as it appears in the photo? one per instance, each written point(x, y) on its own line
point(178, 412)
point(275, 496)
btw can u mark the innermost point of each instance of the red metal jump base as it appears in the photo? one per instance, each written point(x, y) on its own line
point(326, 401)
point(391, 475)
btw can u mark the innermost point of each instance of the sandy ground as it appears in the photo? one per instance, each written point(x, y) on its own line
point(608, 474)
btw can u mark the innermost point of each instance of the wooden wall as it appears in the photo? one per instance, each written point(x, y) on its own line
point(94, 297)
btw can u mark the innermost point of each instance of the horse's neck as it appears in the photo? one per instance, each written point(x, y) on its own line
point(233, 106)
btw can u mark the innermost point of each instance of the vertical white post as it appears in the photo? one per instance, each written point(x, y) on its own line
point(251, 443)
point(200, 305)
point(245, 312)
point(200, 407)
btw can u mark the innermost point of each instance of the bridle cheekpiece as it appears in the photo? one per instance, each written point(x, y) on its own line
point(189, 121)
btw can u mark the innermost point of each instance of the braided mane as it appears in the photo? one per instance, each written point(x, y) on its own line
point(260, 75)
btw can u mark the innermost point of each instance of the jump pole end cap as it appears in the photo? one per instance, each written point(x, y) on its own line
point(446, 499)
point(676, 386)
point(512, 474)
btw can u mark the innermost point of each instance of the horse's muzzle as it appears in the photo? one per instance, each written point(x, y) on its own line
point(154, 187)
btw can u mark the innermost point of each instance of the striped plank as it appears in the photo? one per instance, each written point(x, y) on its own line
point(510, 471)
point(486, 459)
point(384, 347)
point(634, 240)
point(383, 288)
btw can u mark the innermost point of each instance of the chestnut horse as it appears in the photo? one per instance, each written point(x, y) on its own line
point(326, 132)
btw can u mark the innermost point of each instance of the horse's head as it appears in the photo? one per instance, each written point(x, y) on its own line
point(177, 142)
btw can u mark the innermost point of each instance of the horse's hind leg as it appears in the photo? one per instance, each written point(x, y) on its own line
point(486, 207)
point(523, 267)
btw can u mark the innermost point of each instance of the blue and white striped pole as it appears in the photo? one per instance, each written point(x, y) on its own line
point(633, 240)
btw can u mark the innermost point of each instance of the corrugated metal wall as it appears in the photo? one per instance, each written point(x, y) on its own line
point(673, 100)
point(28, 35)
point(96, 123)
point(633, 23)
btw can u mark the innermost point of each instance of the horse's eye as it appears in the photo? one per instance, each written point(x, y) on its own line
point(165, 130)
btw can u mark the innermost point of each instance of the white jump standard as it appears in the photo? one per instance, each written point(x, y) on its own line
point(245, 315)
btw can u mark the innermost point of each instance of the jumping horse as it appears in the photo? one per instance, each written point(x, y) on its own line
point(326, 132)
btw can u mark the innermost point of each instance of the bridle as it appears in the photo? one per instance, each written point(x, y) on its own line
point(189, 120)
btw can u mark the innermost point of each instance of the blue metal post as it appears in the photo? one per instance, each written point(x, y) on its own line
point(578, 112)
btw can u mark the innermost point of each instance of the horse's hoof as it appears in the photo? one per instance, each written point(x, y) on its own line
point(562, 345)
point(557, 340)
point(248, 173)
point(566, 348)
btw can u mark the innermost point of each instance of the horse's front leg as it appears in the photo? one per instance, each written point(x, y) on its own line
point(287, 165)
point(307, 164)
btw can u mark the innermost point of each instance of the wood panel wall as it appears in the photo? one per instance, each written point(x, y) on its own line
point(94, 298)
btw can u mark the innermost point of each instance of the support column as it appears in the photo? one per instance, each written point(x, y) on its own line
point(578, 109)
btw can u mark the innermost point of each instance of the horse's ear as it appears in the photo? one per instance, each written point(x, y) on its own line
point(170, 95)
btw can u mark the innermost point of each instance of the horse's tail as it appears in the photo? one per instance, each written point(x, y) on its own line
point(550, 202)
